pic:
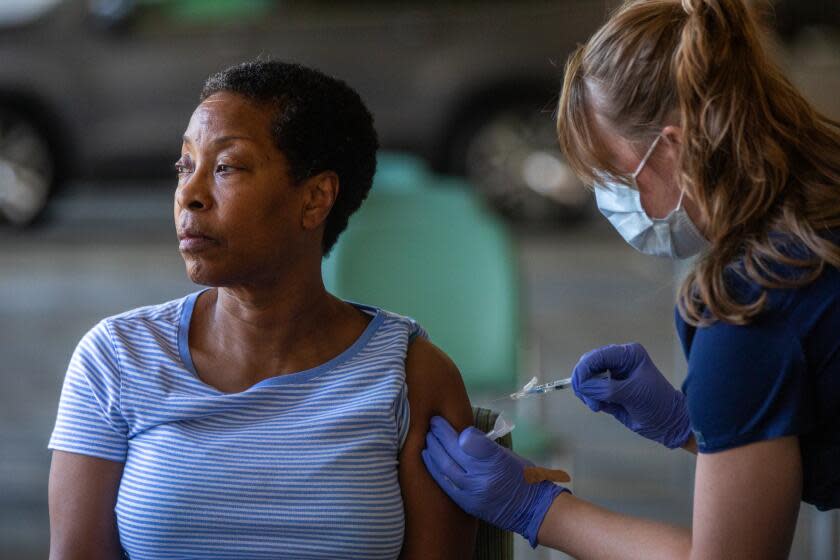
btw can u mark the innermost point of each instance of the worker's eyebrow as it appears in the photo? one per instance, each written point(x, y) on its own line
point(222, 139)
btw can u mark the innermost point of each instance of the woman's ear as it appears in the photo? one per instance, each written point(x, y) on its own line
point(320, 195)
point(671, 146)
point(672, 135)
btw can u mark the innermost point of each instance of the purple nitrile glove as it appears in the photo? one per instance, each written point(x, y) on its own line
point(486, 480)
point(635, 393)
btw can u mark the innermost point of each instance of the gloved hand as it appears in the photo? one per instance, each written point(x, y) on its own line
point(635, 393)
point(486, 479)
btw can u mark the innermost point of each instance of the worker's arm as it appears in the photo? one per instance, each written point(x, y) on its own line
point(691, 445)
point(746, 501)
point(82, 496)
point(435, 526)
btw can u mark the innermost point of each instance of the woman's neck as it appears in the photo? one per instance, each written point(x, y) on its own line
point(257, 332)
point(277, 312)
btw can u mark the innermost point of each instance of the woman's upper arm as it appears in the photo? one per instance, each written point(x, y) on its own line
point(746, 500)
point(89, 443)
point(82, 496)
point(435, 527)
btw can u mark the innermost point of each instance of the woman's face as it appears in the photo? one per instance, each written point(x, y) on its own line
point(657, 184)
point(237, 213)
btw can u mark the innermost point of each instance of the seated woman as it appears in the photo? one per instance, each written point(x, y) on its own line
point(261, 417)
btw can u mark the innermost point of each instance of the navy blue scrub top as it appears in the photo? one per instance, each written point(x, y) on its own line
point(777, 376)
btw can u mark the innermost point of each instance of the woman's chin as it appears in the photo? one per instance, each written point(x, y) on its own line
point(200, 273)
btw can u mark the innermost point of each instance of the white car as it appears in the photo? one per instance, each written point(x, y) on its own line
point(104, 88)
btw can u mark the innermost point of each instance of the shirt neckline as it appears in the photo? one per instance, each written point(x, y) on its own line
point(282, 379)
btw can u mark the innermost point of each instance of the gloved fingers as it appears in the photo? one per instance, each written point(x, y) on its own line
point(475, 443)
point(624, 390)
point(588, 366)
point(598, 389)
point(519, 458)
point(608, 390)
point(634, 355)
point(442, 479)
point(597, 393)
point(602, 395)
point(577, 383)
point(448, 438)
point(593, 404)
point(444, 462)
point(618, 359)
point(617, 411)
point(432, 466)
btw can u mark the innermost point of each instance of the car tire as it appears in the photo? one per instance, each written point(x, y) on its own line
point(27, 169)
point(509, 152)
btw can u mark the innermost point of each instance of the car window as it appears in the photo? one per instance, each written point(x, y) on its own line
point(18, 12)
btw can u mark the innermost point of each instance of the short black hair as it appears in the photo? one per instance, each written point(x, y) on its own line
point(320, 124)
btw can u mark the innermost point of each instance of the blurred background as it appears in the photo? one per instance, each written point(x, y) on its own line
point(94, 97)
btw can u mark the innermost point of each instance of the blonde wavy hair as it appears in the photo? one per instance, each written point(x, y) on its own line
point(760, 163)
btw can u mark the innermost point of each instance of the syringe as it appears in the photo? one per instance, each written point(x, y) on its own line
point(531, 388)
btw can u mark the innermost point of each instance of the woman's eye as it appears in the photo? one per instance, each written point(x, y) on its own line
point(181, 168)
point(223, 168)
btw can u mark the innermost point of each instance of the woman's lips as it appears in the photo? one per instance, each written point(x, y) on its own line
point(195, 243)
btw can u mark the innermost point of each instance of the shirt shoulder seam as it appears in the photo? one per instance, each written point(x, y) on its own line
point(110, 334)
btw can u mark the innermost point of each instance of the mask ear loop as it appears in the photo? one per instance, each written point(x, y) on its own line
point(680, 201)
point(642, 165)
point(645, 160)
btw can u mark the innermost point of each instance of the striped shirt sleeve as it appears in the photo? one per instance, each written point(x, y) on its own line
point(402, 410)
point(416, 330)
point(402, 414)
point(89, 418)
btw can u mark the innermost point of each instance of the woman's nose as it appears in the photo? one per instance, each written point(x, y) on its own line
point(193, 192)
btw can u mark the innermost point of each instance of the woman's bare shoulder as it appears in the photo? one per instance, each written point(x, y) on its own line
point(435, 384)
point(435, 527)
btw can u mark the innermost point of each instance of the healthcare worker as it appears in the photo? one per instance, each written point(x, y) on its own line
point(697, 146)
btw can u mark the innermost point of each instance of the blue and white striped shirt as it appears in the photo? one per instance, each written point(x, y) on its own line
point(302, 465)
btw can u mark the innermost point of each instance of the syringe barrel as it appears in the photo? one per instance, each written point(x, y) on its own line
point(559, 384)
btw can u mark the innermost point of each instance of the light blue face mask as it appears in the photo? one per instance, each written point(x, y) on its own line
point(675, 236)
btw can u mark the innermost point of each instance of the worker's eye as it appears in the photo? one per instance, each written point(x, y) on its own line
point(225, 168)
point(182, 167)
